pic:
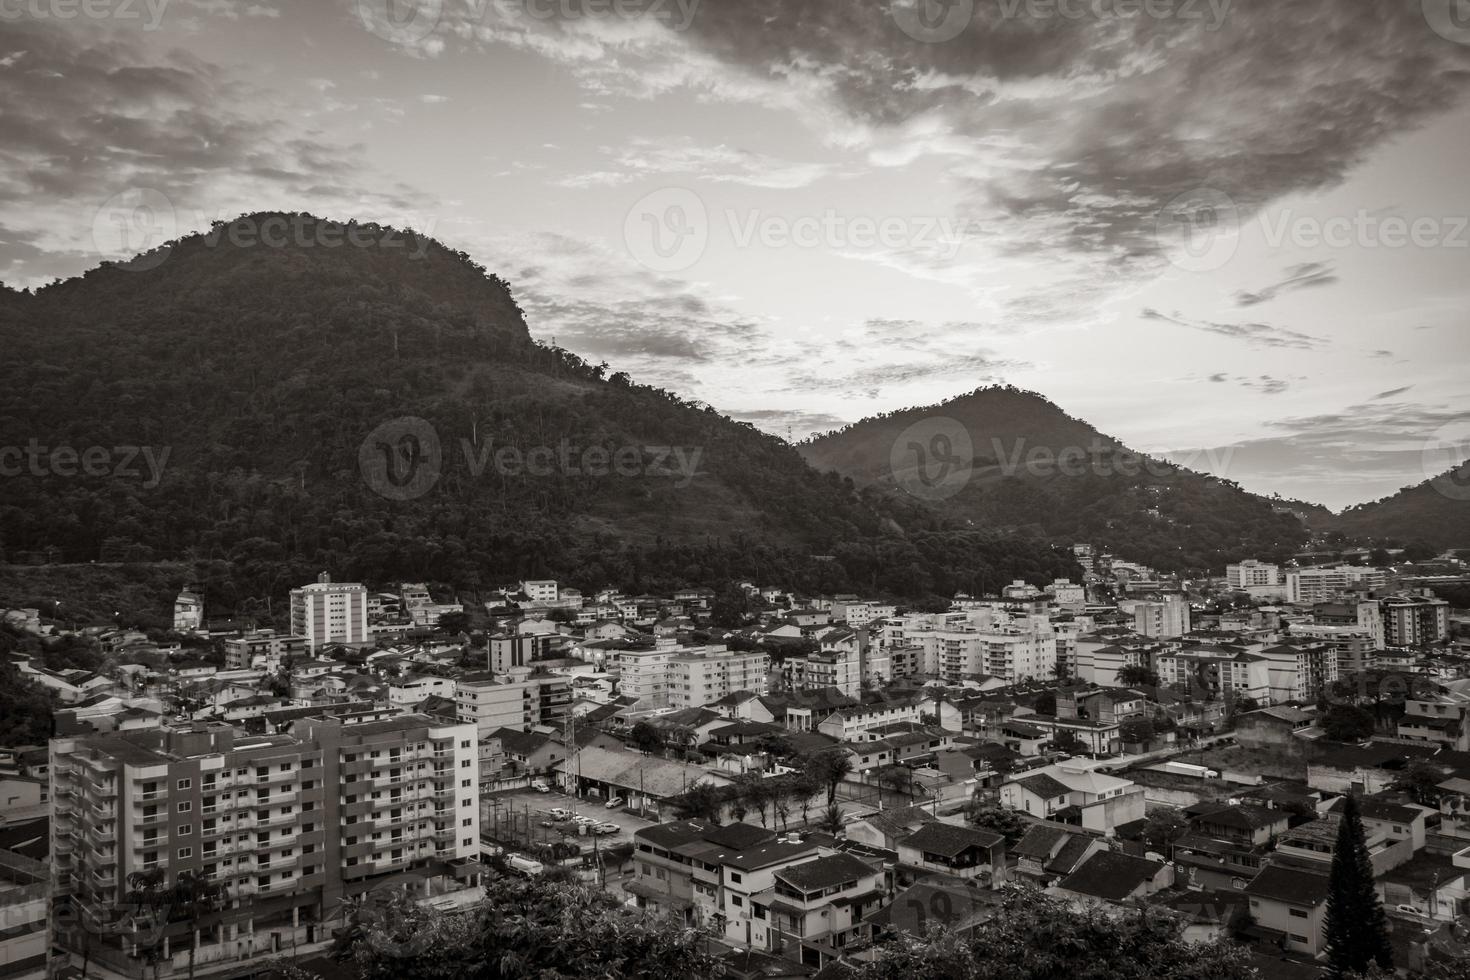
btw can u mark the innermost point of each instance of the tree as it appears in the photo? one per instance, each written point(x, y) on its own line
point(829, 768)
point(803, 788)
point(1137, 731)
point(1357, 929)
point(646, 738)
point(774, 744)
point(1135, 675)
point(832, 820)
point(193, 897)
point(1346, 723)
point(699, 802)
point(1045, 703)
point(1035, 937)
point(1002, 820)
point(1420, 779)
point(1065, 740)
point(1163, 827)
point(524, 929)
point(899, 779)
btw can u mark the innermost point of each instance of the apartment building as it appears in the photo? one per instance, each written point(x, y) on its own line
point(289, 824)
point(262, 648)
point(1405, 620)
point(1165, 620)
point(1325, 583)
point(1215, 672)
point(1443, 719)
point(540, 590)
point(1300, 671)
point(697, 679)
point(188, 612)
point(510, 650)
point(984, 642)
point(520, 700)
point(644, 674)
point(327, 612)
point(1100, 657)
point(1252, 574)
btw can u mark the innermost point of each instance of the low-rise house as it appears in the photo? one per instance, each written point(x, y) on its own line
point(1291, 902)
point(885, 828)
point(1048, 853)
point(964, 852)
point(1114, 877)
point(816, 909)
point(1271, 727)
point(1068, 792)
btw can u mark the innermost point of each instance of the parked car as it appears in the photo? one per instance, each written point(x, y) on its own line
point(541, 787)
point(583, 818)
point(1410, 910)
point(561, 813)
point(614, 803)
point(608, 828)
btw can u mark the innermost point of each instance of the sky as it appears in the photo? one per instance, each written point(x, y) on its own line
point(1232, 232)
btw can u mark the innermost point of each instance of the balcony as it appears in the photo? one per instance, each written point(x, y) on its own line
point(152, 820)
point(150, 796)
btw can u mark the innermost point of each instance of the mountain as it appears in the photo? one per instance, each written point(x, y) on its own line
point(1004, 458)
point(364, 400)
point(1435, 512)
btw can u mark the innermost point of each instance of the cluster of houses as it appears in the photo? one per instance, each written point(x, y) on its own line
point(1058, 711)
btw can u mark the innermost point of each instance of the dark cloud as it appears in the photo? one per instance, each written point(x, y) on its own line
point(1256, 334)
point(1303, 276)
point(1392, 392)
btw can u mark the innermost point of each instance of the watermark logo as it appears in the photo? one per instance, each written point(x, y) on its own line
point(404, 458)
point(1446, 460)
point(942, 902)
point(134, 227)
point(401, 21)
point(401, 459)
point(1450, 19)
point(1199, 230)
point(933, 21)
point(667, 230)
point(146, 463)
point(148, 11)
point(932, 458)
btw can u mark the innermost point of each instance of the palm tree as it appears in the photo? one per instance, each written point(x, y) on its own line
point(832, 819)
point(194, 896)
point(148, 894)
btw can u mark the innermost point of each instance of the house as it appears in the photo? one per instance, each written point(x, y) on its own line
point(963, 852)
point(815, 909)
point(884, 828)
point(1048, 853)
point(528, 753)
point(1071, 792)
point(1114, 877)
point(957, 905)
point(1271, 727)
point(1291, 902)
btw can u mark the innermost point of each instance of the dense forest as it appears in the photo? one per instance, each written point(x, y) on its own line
point(1031, 466)
point(216, 403)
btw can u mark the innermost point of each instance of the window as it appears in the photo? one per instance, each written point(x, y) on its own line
point(1298, 914)
point(186, 852)
point(184, 784)
point(735, 877)
point(185, 806)
point(186, 830)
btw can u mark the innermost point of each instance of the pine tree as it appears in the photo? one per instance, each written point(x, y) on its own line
point(1357, 929)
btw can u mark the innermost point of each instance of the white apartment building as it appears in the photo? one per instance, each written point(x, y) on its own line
point(1405, 620)
point(188, 612)
point(1164, 620)
point(327, 612)
point(540, 590)
point(1212, 672)
point(519, 700)
point(644, 674)
point(1263, 580)
point(1326, 582)
point(697, 679)
point(1300, 671)
point(1065, 592)
point(975, 642)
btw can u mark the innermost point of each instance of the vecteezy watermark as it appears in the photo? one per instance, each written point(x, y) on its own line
point(1446, 460)
point(1198, 230)
point(670, 229)
point(118, 462)
point(936, 457)
point(150, 12)
point(1450, 19)
point(404, 458)
point(135, 226)
point(413, 21)
point(137, 229)
point(933, 21)
point(932, 458)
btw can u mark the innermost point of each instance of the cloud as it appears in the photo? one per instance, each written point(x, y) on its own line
point(1304, 276)
point(792, 424)
point(172, 128)
point(718, 163)
point(1392, 392)
point(1256, 334)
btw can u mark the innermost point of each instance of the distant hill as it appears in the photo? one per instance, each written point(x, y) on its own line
point(1003, 458)
point(1435, 512)
point(297, 402)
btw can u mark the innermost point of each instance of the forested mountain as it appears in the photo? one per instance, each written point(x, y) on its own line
point(1017, 461)
point(1436, 512)
point(263, 382)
